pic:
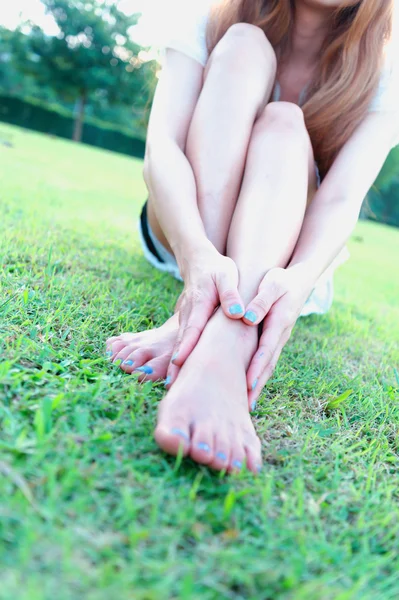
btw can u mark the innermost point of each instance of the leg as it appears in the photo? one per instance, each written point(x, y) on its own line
point(238, 81)
point(206, 409)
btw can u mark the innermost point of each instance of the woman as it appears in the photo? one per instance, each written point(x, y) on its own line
point(237, 206)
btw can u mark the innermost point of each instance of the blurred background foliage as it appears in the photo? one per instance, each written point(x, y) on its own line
point(92, 82)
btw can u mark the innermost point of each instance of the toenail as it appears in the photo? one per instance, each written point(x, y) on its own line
point(255, 383)
point(203, 446)
point(250, 316)
point(168, 380)
point(109, 353)
point(237, 464)
point(145, 369)
point(236, 309)
point(259, 468)
point(128, 363)
point(253, 405)
point(181, 433)
point(221, 456)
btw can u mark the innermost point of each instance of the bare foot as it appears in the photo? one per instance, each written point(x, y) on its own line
point(147, 353)
point(206, 410)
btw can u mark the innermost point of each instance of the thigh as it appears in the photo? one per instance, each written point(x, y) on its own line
point(313, 175)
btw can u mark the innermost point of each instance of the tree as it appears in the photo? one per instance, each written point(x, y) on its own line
point(92, 53)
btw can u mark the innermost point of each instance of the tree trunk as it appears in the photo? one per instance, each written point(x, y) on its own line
point(79, 117)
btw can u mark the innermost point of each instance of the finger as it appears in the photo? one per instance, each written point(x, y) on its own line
point(266, 372)
point(258, 309)
point(230, 300)
point(264, 377)
point(270, 290)
point(171, 376)
point(269, 341)
point(194, 326)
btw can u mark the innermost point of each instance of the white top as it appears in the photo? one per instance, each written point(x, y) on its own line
point(186, 33)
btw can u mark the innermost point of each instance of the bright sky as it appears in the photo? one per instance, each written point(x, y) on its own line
point(11, 13)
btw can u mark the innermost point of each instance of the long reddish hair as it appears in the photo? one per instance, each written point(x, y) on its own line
point(350, 66)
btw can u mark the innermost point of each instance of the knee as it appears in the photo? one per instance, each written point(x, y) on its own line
point(286, 116)
point(247, 45)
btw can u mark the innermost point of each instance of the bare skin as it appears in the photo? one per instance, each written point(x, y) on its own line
point(212, 382)
point(249, 209)
point(206, 410)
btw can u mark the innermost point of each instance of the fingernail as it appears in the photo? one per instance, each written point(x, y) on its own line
point(203, 446)
point(109, 353)
point(250, 316)
point(181, 433)
point(235, 309)
point(175, 356)
point(128, 363)
point(259, 469)
point(253, 406)
point(237, 464)
point(255, 383)
point(145, 369)
point(168, 380)
point(221, 456)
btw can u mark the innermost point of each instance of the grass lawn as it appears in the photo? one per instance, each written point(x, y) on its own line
point(89, 507)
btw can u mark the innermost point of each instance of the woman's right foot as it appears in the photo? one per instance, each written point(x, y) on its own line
point(205, 413)
point(147, 353)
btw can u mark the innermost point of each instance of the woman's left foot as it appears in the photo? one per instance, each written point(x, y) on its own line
point(146, 353)
point(205, 413)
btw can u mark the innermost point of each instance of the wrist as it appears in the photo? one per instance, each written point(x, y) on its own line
point(304, 273)
point(189, 251)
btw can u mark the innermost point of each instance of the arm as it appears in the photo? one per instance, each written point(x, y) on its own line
point(333, 214)
point(167, 171)
point(210, 279)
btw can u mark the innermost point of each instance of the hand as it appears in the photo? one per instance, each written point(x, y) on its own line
point(210, 280)
point(280, 299)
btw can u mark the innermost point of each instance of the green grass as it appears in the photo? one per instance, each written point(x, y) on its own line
point(89, 508)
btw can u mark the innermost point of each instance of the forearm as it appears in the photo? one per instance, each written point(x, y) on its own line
point(171, 182)
point(326, 228)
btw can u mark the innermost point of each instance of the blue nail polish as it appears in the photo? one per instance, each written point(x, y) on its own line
point(259, 468)
point(203, 446)
point(237, 464)
point(221, 456)
point(180, 433)
point(250, 316)
point(109, 353)
point(145, 369)
point(175, 356)
point(253, 406)
point(168, 380)
point(236, 309)
point(128, 363)
point(255, 383)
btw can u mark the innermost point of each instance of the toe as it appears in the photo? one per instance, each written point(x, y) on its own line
point(115, 348)
point(221, 458)
point(122, 354)
point(254, 455)
point(111, 340)
point(172, 439)
point(153, 370)
point(202, 444)
point(237, 455)
point(139, 358)
point(172, 432)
